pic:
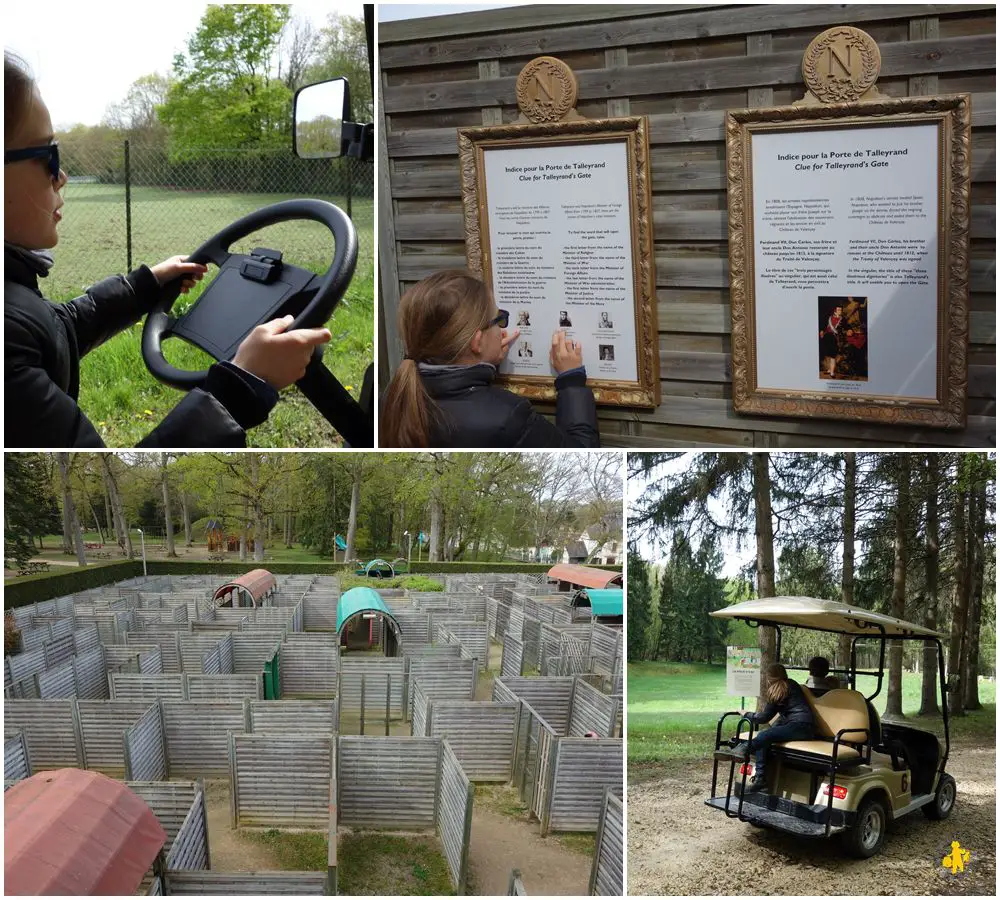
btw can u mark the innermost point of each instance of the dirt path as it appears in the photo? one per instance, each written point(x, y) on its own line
point(501, 843)
point(228, 852)
point(677, 845)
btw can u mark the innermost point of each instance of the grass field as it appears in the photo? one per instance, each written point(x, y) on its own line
point(118, 394)
point(673, 709)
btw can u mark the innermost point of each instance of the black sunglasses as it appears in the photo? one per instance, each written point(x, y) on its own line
point(49, 152)
point(502, 318)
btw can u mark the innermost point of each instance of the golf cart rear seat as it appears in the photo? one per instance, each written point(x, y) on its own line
point(838, 711)
point(843, 730)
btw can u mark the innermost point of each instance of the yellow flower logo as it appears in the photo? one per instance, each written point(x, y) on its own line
point(957, 859)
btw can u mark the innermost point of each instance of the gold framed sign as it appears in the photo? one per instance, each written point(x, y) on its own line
point(849, 248)
point(558, 223)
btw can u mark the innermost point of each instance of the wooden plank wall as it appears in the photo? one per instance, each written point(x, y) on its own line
point(683, 67)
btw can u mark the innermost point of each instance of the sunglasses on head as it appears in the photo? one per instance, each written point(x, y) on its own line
point(48, 152)
point(502, 318)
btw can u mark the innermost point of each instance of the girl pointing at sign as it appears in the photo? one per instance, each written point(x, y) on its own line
point(443, 394)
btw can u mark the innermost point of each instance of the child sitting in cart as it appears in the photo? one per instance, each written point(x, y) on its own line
point(782, 696)
point(44, 341)
point(820, 680)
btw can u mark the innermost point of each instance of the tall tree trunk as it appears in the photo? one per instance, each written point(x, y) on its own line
point(93, 514)
point(67, 523)
point(434, 547)
point(977, 542)
point(167, 513)
point(960, 605)
point(288, 530)
point(894, 696)
point(108, 518)
point(258, 509)
point(352, 521)
point(117, 506)
point(72, 522)
point(243, 531)
point(847, 569)
point(186, 513)
point(764, 531)
point(932, 561)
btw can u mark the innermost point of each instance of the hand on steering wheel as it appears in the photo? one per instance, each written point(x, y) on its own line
point(279, 356)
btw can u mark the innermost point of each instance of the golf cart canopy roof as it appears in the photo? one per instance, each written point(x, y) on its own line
point(822, 615)
point(73, 832)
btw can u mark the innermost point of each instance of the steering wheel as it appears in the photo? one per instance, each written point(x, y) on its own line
point(224, 314)
point(256, 288)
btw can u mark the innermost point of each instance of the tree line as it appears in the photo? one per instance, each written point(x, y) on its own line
point(232, 88)
point(469, 506)
point(911, 535)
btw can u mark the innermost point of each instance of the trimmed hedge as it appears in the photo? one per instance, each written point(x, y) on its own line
point(35, 588)
point(511, 568)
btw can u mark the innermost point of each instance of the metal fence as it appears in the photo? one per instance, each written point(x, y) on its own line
point(129, 202)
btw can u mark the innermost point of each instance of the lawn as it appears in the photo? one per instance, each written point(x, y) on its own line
point(118, 394)
point(673, 709)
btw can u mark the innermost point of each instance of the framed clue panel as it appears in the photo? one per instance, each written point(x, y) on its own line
point(558, 223)
point(849, 247)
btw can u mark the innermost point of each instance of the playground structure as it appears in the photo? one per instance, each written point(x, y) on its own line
point(380, 568)
point(148, 681)
point(364, 622)
point(570, 577)
point(250, 590)
point(606, 605)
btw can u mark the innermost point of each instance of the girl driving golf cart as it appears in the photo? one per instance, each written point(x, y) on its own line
point(443, 394)
point(797, 723)
point(43, 341)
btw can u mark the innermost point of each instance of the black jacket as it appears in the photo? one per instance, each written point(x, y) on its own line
point(43, 343)
point(475, 413)
point(794, 708)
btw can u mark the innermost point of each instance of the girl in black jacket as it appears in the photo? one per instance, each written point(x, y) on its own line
point(443, 394)
point(43, 341)
point(797, 721)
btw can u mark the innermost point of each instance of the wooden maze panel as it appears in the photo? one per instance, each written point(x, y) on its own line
point(683, 68)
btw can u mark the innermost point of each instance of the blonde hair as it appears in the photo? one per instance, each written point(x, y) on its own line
point(777, 684)
point(437, 319)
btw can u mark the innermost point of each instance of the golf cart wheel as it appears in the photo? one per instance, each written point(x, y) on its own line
point(867, 836)
point(944, 799)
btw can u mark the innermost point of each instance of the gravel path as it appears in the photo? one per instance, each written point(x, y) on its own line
point(677, 845)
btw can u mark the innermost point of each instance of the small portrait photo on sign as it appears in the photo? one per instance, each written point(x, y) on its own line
point(564, 319)
point(605, 321)
point(524, 318)
point(524, 350)
point(607, 352)
point(843, 338)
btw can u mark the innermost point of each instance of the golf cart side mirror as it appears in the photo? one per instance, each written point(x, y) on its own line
point(321, 111)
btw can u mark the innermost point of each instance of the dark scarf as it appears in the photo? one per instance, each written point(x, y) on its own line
point(39, 261)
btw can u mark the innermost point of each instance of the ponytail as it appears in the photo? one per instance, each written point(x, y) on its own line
point(437, 319)
point(406, 411)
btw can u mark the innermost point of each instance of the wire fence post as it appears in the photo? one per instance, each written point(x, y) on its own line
point(350, 184)
point(128, 207)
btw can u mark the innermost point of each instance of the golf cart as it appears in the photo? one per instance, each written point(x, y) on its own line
point(858, 773)
point(254, 288)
